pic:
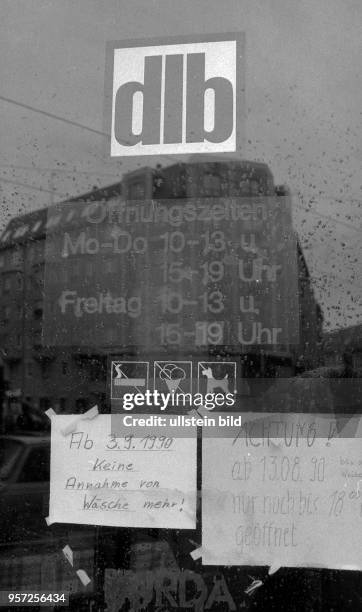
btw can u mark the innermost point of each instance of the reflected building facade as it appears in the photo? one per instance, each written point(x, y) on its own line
point(72, 378)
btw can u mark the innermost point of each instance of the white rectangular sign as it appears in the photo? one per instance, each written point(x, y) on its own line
point(128, 481)
point(284, 491)
point(175, 95)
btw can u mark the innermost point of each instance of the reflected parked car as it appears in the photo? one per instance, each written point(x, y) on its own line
point(24, 493)
point(24, 486)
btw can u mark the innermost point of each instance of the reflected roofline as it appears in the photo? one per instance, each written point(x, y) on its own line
point(27, 222)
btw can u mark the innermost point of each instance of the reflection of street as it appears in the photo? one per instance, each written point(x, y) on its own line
point(30, 551)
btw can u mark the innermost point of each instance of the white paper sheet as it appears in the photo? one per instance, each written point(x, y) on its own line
point(283, 500)
point(127, 481)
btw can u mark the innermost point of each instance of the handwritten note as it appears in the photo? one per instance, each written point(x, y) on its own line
point(283, 491)
point(126, 481)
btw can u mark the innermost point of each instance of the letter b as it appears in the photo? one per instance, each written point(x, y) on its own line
point(195, 113)
point(88, 443)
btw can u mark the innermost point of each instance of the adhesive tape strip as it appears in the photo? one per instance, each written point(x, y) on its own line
point(68, 554)
point(197, 553)
point(83, 577)
point(50, 413)
point(90, 414)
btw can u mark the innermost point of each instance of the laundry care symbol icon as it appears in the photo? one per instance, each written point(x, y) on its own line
point(128, 377)
point(173, 377)
point(216, 377)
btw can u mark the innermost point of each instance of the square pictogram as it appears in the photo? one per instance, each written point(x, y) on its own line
point(173, 376)
point(128, 377)
point(216, 377)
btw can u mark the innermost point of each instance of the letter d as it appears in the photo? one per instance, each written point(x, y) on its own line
point(123, 108)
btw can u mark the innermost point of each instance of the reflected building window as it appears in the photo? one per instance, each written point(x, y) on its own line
point(136, 190)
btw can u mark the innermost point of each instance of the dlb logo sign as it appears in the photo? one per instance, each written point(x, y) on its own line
point(177, 97)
